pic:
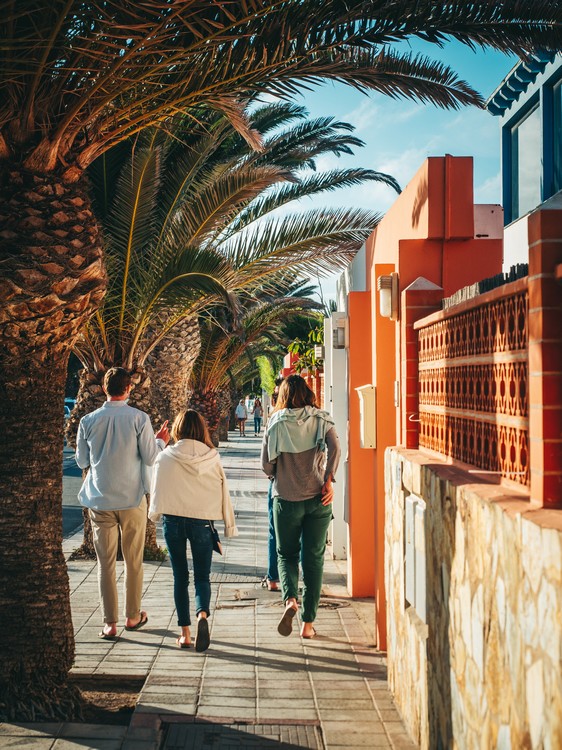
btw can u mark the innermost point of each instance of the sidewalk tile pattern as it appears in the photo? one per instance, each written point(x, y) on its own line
point(252, 688)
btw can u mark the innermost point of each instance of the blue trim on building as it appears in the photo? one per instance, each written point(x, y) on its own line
point(531, 83)
point(517, 82)
point(547, 177)
point(507, 195)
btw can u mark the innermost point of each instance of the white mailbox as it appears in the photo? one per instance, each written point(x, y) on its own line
point(367, 416)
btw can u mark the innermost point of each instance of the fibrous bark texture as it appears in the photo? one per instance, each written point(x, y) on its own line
point(52, 279)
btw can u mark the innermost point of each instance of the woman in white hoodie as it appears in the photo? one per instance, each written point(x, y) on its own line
point(189, 490)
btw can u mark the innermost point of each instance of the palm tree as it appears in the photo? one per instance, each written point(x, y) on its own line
point(164, 201)
point(171, 206)
point(78, 78)
point(230, 345)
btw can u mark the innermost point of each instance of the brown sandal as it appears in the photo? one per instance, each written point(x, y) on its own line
point(285, 626)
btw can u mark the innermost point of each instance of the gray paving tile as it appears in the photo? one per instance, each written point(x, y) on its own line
point(25, 743)
point(249, 673)
point(139, 745)
point(338, 725)
point(257, 736)
point(189, 709)
point(345, 741)
point(36, 730)
point(86, 743)
point(91, 731)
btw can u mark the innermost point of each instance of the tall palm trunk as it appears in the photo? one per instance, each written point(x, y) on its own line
point(207, 403)
point(90, 397)
point(170, 365)
point(227, 403)
point(52, 279)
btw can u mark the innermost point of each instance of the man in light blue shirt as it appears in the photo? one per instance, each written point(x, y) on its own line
point(117, 444)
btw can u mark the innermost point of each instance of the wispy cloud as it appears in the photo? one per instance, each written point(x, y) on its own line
point(364, 116)
point(376, 114)
point(489, 191)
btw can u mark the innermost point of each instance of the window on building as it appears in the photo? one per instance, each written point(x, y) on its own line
point(557, 134)
point(526, 165)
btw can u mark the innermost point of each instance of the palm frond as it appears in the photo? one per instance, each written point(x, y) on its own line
point(77, 79)
point(311, 185)
point(312, 242)
point(222, 350)
point(130, 222)
point(274, 115)
point(219, 198)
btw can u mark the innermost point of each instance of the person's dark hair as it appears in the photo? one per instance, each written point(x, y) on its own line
point(191, 425)
point(294, 394)
point(116, 381)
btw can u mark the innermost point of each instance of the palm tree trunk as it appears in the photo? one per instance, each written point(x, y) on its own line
point(89, 398)
point(226, 402)
point(36, 625)
point(207, 403)
point(169, 367)
point(52, 280)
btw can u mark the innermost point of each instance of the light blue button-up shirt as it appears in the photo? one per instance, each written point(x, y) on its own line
point(117, 442)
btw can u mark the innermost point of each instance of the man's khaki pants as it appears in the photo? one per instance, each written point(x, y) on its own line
point(105, 528)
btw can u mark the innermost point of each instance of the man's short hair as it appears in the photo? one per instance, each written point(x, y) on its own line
point(116, 381)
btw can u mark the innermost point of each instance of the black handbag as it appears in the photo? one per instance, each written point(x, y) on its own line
point(217, 546)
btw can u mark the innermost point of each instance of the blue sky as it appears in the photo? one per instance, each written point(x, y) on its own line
point(400, 134)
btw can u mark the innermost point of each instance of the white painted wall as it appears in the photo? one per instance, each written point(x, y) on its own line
point(516, 243)
point(335, 394)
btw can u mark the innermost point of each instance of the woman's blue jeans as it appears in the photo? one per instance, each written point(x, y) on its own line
point(177, 532)
point(257, 425)
point(272, 569)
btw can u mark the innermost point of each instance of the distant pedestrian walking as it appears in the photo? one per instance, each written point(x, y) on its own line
point(293, 453)
point(258, 414)
point(117, 444)
point(189, 490)
point(241, 414)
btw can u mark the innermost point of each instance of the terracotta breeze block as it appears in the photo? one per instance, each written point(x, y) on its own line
point(416, 303)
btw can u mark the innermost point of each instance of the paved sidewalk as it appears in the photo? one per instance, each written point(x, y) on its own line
point(252, 688)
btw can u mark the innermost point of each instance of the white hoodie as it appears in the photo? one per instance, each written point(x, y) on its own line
point(188, 480)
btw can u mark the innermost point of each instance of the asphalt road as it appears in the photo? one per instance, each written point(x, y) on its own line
point(71, 514)
point(71, 520)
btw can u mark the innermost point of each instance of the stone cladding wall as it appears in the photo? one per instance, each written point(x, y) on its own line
point(485, 668)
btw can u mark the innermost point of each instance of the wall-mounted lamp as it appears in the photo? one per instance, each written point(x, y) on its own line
point(318, 351)
point(388, 296)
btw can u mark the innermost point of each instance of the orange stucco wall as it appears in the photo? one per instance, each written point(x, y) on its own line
point(428, 232)
point(361, 477)
point(383, 356)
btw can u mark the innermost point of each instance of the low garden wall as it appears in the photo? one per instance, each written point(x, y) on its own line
point(474, 608)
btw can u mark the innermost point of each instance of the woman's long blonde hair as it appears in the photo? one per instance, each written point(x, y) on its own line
point(294, 393)
point(190, 425)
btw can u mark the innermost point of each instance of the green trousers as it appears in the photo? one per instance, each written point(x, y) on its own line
point(301, 522)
